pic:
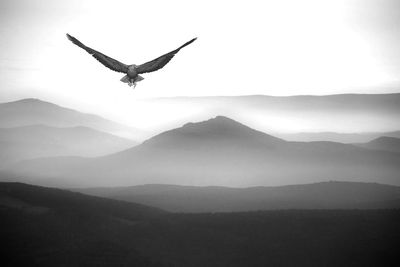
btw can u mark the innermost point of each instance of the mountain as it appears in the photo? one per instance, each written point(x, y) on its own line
point(384, 143)
point(326, 195)
point(219, 152)
point(336, 137)
point(220, 131)
point(34, 111)
point(52, 227)
point(35, 141)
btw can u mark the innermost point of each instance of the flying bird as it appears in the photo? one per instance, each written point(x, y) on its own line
point(132, 71)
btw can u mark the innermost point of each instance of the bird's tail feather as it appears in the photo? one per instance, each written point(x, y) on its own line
point(125, 79)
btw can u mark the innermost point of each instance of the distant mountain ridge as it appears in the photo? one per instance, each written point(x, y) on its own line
point(325, 195)
point(385, 143)
point(347, 138)
point(35, 141)
point(33, 111)
point(221, 152)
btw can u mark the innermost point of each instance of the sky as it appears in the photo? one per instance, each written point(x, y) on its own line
point(285, 47)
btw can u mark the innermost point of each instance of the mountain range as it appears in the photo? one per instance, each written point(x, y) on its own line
point(220, 152)
point(32, 128)
point(210, 193)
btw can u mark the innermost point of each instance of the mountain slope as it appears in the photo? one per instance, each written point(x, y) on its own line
point(384, 143)
point(34, 111)
point(222, 152)
point(57, 199)
point(327, 195)
point(35, 141)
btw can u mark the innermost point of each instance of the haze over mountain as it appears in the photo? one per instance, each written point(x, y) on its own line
point(279, 115)
point(221, 152)
point(35, 141)
point(347, 118)
point(348, 138)
point(32, 111)
point(326, 195)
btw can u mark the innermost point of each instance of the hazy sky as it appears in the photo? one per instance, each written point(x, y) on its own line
point(244, 47)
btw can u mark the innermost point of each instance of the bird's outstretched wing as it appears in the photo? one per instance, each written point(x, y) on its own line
point(110, 63)
point(161, 61)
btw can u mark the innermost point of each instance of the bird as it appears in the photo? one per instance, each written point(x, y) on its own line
point(132, 71)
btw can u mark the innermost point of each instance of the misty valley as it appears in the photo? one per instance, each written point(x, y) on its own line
point(77, 189)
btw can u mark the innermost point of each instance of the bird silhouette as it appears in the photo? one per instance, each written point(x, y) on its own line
point(132, 71)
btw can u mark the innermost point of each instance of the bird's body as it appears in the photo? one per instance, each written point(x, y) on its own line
point(132, 71)
point(132, 76)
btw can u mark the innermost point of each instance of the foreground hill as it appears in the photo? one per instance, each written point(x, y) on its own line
point(327, 195)
point(50, 227)
point(30, 198)
point(37, 141)
point(34, 111)
point(220, 152)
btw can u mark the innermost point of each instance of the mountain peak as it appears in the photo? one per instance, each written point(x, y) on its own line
point(220, 121)
point(223, 118)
